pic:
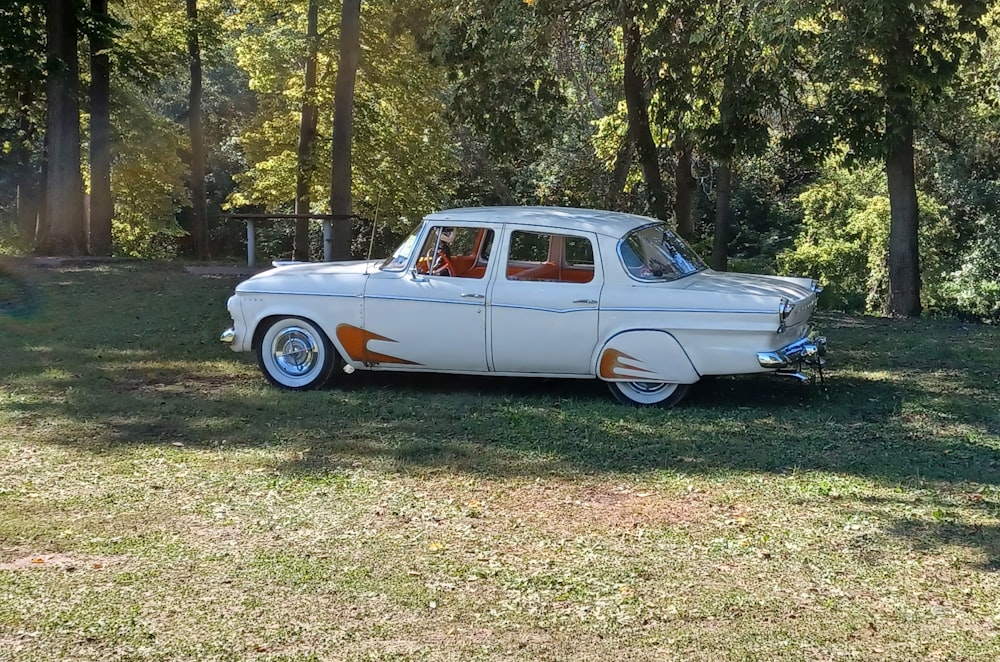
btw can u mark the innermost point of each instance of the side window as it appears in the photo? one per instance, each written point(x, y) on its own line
point(579, 252)
point(528, 247)
point(550, 258)
point(452, 251)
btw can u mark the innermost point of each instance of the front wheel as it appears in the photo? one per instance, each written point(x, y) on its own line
point(295, 354)
point(648, 394)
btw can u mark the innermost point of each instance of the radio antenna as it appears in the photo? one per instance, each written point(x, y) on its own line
point(371, 242)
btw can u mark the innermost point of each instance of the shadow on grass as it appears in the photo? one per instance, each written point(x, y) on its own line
point(929, 535)
point(501, 426)
point(129, 358)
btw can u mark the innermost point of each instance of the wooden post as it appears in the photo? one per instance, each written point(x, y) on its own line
point(251, 243)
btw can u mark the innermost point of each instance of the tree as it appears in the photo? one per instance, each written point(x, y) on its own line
point(63, 232)
point(101, 205)
point(307, 135)
point(22, 76)
point(638, 110)
point(403, 158)
point(881, 65)
point(343, 127)
point(199, 213)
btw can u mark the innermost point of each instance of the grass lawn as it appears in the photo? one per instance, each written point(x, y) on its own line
point(159, 501)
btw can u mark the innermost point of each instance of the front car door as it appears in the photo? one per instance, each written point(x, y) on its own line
point(419, 316)
point(544, 302)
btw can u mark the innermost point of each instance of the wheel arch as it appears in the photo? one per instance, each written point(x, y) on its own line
point(265, 322)
point(644, 355)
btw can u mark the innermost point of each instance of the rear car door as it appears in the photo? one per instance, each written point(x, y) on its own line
point(543, 305)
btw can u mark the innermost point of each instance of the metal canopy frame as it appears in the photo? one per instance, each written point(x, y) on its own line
point(251, 218)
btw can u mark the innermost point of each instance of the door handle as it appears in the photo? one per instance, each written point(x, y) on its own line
point(471, 295)
point(589, 301)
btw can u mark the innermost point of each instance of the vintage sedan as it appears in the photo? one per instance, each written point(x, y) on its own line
point(529, 291)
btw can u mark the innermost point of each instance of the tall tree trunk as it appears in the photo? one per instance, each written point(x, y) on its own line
point(904, 251)
point(307, 136)
point(101, 205)
point(199, 222)
point(27, 179)
point(904, 247)
point(343, 126)
point(723, 216)
point(685, 184)
point(724, 183)
point(619, 174)
point(63, 233)
point(638, 113)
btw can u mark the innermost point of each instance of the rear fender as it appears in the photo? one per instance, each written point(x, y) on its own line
point(645, 356)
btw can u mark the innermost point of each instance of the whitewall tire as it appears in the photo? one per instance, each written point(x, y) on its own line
point(295, 354)
point(648, 394)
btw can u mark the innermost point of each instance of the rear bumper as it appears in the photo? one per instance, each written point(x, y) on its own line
point(807, 349)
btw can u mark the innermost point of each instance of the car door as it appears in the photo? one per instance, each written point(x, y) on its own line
point(543, 304)
point(419, 320)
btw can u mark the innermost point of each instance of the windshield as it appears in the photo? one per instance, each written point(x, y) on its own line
point(656, 253)
point(401, 256)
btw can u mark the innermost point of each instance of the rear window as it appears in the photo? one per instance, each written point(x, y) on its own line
point(656, 253)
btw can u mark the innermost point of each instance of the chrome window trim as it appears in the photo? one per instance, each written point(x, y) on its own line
point(621, 259)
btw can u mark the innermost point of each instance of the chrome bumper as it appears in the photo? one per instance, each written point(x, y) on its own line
point(228, 336)
point(811, 350)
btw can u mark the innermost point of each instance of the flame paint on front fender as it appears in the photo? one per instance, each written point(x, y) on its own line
point(355, 342)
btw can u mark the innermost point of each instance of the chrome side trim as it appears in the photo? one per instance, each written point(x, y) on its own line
point(687, 310)
point(468, 302)
point(300, 294)
point(513, 306)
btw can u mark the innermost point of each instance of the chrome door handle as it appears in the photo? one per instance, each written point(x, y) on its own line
point(590, 301)
point(470, 295)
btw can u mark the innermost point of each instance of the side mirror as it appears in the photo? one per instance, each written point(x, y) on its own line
point(417, 277)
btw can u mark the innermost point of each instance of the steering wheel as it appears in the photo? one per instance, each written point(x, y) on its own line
point(442, 263)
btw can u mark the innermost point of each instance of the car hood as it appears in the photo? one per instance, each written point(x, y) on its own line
point(307, 276)
point(793, 289)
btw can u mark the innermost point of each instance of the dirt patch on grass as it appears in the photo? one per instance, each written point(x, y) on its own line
point(576, 509)
point(167, 382)
point(55, 561)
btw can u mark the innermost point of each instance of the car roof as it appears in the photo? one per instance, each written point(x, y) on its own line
point(610, 223)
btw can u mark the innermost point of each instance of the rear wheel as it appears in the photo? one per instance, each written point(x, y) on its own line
point(295, 354)
point(648, 394)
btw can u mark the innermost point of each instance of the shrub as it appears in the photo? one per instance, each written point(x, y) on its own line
point(845, 238)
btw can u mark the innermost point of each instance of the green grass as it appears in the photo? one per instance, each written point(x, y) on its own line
point(159, 501)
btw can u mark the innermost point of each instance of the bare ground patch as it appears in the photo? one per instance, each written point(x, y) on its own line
point(19, 560)
point(575, 509)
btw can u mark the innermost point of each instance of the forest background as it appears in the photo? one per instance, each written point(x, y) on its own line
point(855, 141)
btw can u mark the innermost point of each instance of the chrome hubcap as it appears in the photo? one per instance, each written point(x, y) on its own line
point(295, 352)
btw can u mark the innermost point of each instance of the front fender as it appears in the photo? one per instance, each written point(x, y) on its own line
point(645, 356)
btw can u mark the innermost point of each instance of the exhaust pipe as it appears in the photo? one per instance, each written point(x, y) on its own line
point(802, 379)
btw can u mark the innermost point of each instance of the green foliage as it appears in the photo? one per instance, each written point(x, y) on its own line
point(8, 240)
point(879, 60)
point(402, 156)
point(844, 239)
point(147, 179)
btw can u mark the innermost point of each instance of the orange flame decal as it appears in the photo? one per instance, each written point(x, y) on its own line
point(614, 363)
point(355, 342)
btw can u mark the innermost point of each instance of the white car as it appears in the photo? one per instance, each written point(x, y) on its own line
point(529, 291)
